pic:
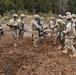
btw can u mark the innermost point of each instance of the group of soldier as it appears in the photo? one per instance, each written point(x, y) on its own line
point(62, 28)
point(17, 28)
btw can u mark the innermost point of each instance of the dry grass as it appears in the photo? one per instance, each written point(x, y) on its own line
point(28, 19)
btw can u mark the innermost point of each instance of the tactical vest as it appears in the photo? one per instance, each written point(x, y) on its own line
point(34, 27)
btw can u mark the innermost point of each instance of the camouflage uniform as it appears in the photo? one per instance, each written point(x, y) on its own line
point(69, 32)
point(58, 22)
point(13, 24)
point(74, 22)
point(60, 36)
point(52, 25)
point(35, 33)
point(21, 27)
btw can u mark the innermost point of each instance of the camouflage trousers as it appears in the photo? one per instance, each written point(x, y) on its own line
point(35, 37)
point(21, 33)
point(52, 31)
point(69, 44)
point(14, 34)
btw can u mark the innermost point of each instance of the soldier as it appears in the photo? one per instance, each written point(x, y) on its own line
point(74, 22)
point(42, 32)
point(35, 27)
point(1, 32)
point(60, 36)
point(14, 28)
point(60, 17)
point(21, 27)
point(69, 37)
point(58, 21)
point(52, 25)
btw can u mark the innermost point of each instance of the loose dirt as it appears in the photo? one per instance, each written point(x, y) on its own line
point(25, 59)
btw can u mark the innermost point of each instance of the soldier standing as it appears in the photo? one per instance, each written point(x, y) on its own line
point(1, 32)
point(74, 20)
point(69, 37)
point(14, 28)
point(60, 35)
point(35, 27)
point(52, 25)
point(21, 24)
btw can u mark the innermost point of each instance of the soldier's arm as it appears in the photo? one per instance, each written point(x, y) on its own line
point(68, 29)
point(9, 23)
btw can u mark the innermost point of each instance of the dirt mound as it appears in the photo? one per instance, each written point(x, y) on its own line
point(28, 60)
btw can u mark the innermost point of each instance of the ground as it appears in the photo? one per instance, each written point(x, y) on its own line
point(28, 60)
